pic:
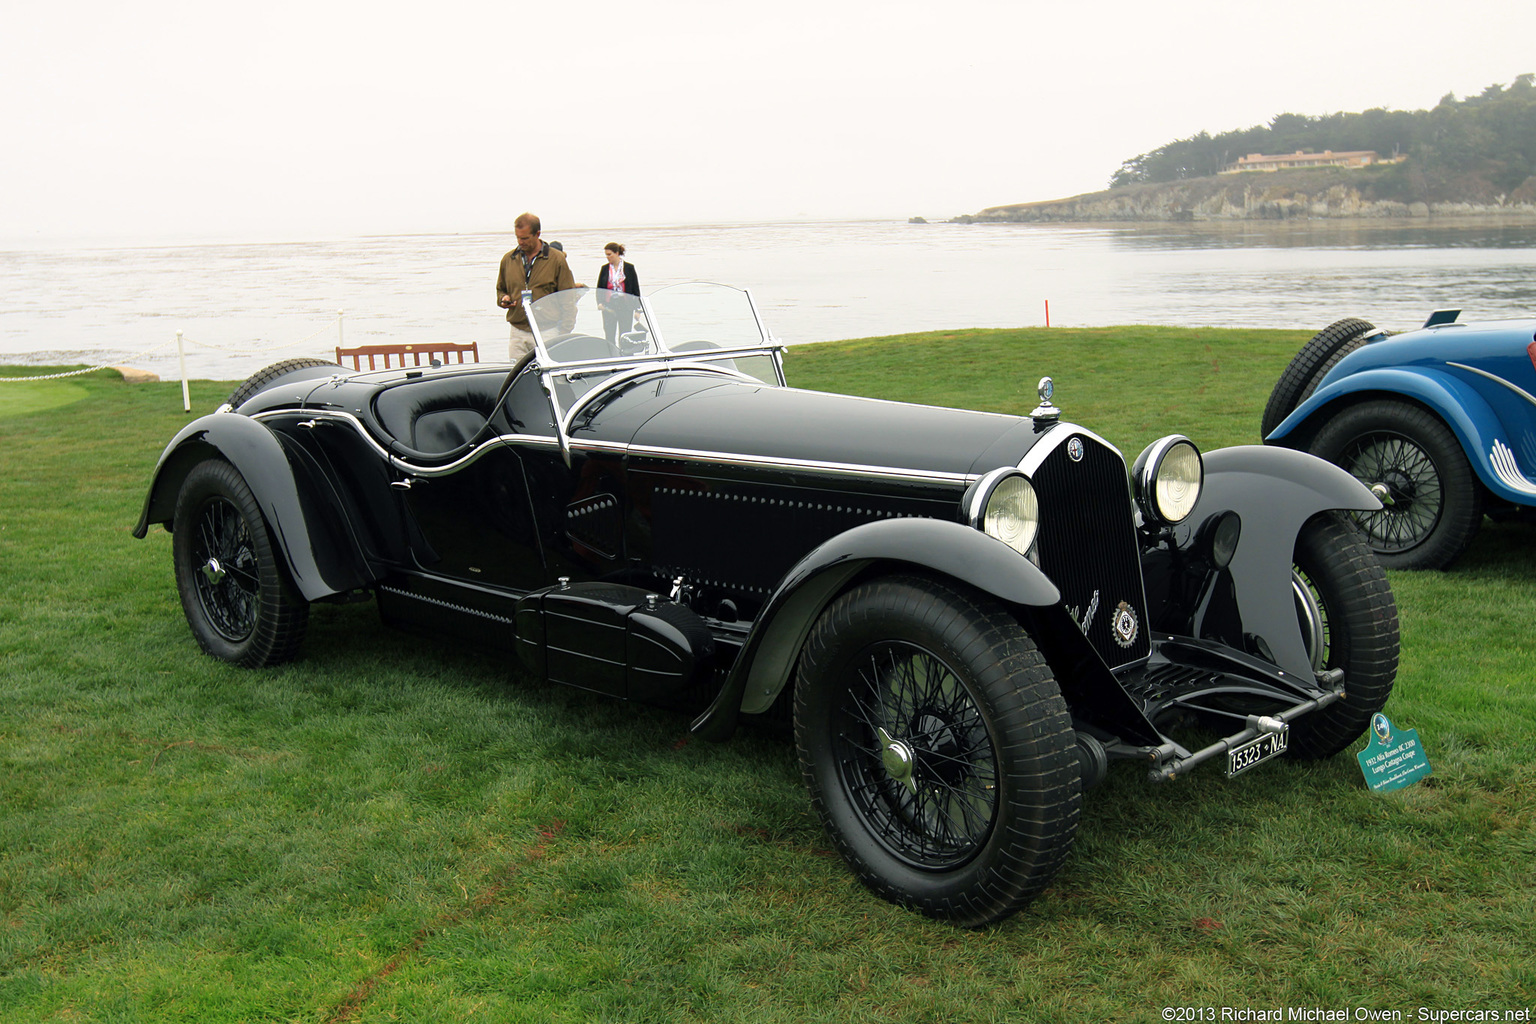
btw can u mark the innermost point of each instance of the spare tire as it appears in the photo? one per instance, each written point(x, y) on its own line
point(262, 378)
point(1308, 367)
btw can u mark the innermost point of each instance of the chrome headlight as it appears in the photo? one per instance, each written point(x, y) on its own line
point(1168, 476)
point(1003, 504)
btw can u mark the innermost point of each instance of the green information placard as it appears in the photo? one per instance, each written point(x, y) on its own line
point(1394, 758)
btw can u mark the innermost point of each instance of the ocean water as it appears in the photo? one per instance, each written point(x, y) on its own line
point(242, 306)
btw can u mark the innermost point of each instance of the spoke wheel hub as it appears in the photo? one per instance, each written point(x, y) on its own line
point(1406, 481)
point(900, 761)
point(916, 759)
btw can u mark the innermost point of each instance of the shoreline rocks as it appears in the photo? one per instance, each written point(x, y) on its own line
point(1248, 197)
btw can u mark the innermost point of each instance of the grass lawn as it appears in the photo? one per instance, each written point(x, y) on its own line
point(390, 829)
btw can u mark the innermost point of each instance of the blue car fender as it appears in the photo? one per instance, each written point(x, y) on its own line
point(1458, 404)
point(1274, 491)
point(258, 454)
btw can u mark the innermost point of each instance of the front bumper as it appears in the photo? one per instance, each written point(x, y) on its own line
point(1189, 678)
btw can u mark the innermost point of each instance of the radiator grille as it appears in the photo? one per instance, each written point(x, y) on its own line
point(1087, 545)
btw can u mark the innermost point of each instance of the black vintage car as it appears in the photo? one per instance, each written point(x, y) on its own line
point(966, 616)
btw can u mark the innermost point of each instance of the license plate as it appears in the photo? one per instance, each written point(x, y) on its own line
point(1255, 751)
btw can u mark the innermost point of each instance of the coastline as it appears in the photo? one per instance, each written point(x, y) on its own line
point(1309, 196)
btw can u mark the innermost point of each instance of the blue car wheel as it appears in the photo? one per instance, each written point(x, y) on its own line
point(1432, 502)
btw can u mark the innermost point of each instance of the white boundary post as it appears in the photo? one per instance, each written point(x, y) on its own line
point(181, 357)
point(339, 314)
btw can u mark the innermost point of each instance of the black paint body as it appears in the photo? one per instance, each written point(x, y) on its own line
point(686, 533)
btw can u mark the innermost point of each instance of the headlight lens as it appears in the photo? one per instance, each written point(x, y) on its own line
point(1013, 513)
point(1169, 474)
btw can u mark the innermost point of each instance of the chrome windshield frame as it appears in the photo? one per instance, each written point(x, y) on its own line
point(626, 368)
point(766, 341)
point(628, 371)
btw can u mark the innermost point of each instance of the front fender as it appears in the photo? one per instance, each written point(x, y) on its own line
point(767, 659)
point(1274, 491)
point(1459, 405)
point(258, 454)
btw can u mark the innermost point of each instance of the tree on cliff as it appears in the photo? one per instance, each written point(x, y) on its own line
point(1479, 148)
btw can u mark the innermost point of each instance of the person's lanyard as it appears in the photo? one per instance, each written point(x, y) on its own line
point(528, 263)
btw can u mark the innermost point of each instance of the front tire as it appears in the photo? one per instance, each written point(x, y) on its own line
point(1349, 621)
point(234, 590)
point(1434, 502)
point(937, 749)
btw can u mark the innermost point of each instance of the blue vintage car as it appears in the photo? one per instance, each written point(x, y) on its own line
point(1440, 424)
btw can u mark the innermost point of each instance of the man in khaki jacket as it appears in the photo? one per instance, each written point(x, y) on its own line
point(533, 266)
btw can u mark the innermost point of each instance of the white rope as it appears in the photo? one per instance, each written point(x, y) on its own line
point(168, 344)
point(54, 376)
point(89, 369)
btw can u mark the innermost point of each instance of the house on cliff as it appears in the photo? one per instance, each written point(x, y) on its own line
point(1350, 160)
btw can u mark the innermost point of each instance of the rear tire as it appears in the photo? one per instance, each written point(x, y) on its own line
point(236, 593)
point(1349, 621)
point(1436, 499)
point(937, 749)
point(1308, 367)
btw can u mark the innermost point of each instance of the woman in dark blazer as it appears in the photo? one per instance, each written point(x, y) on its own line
point(616, 281)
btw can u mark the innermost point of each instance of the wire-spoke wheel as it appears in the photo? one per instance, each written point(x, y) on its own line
point(937, 749)
point(237, 597)
point(1412, 483)
point(918, 763)
point(226, 581)
point(1432, 502)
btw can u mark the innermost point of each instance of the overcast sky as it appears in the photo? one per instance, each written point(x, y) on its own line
point(159, 121)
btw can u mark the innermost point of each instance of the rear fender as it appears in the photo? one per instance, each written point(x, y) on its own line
point(1459, 405)
point(1274, 491)
point(318, 570)
point(767, 660)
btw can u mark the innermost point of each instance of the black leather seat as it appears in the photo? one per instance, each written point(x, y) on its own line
point(437, 415)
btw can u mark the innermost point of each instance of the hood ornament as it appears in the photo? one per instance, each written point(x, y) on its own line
point(1045, 412)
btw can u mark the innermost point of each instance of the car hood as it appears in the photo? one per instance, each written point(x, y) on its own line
point(705, 414)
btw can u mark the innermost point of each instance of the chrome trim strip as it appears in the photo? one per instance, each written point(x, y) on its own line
point(801, 465)
point(404, 466)
point(620, 448)
point(762, 331)
point(652, 324)
point(1507, 467)
point(1517, 389)
point(328, 414)
point(582, 366)
point(562, 439)
point(1062, 431)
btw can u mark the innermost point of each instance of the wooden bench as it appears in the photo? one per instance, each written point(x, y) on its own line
point(408, 355)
